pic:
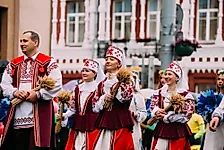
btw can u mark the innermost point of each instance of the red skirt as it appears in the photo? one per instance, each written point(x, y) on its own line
point(91, 139)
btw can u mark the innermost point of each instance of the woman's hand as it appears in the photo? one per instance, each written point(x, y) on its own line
point(214, 124)
point(160, 114)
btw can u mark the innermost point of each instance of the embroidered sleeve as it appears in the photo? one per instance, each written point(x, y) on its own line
point(55, 73)
point(125, 92)
point(154, 106)
point(98, 100)
point(183, 117)
point(52, 66)
point(6, 83)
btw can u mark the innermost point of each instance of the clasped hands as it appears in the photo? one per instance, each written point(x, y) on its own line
point(160, 114)
point(29, 96)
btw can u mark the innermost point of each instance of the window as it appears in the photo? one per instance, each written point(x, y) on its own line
point(203, 87)
point(153, 24)
point(75, 22)
point(207, 20)
point(122, 19)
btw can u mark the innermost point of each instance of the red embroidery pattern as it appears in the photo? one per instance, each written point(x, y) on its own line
point(110, 51)
point(24, 73)
point(86, 63)
point(127, 91)
point(188, 107)
point(154, 102)
point(53, 66)
point(23, 120)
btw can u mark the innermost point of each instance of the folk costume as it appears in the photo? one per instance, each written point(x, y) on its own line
point(207, 103)
point(172, 132)
point(138, 106)
point(116, 123)
point(83, 133)
point(30, 125)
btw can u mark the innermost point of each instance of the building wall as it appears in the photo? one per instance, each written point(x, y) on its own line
point(73, 55)
point(36, 15)
point(9, 29)
point(18, 16)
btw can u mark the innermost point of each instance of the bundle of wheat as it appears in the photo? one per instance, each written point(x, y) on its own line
point(45, 82)
point(63, 98)
point(123, 76)
point(176, 101)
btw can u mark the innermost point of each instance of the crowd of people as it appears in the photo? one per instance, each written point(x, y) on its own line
point(106, 110)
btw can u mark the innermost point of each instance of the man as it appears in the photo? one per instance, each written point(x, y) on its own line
point(30, 124)
point(207, 104)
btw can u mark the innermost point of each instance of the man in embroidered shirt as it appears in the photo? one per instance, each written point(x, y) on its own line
point(30, 124)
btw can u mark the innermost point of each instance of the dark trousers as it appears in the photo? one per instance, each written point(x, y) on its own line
point(21, 139)
point(147, 139)
point(62, 138)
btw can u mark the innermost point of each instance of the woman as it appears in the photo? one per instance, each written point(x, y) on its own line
point(172, 131)
point(148, 132)
point(139, 113)
point(116, 123)
point(162, 80)
point(83, 130)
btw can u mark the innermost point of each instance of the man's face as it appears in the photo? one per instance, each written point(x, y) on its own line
point(26, 43)
point(220, 81)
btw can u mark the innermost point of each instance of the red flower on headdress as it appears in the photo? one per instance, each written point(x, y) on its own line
point(86, 63)
point(171, 65)
point(41, 69)
point(110, 51)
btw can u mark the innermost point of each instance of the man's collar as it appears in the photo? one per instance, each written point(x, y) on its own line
point(33, 57)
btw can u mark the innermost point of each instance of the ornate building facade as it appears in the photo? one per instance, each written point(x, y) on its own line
point(79, 26)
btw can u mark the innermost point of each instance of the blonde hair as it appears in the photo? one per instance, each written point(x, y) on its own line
point(161, 72)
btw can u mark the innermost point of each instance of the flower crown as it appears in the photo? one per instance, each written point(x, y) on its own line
point(161, 72)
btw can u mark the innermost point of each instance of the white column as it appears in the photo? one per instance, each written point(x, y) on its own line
point(219, 30)
point(54, 24)
point(192, 19)
point(142, 19)
point(92, 13)
point(62, 24)
point(133, 20)
point(102, 18)
point(108, 20)
point(86, 34)
point(186, 20)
